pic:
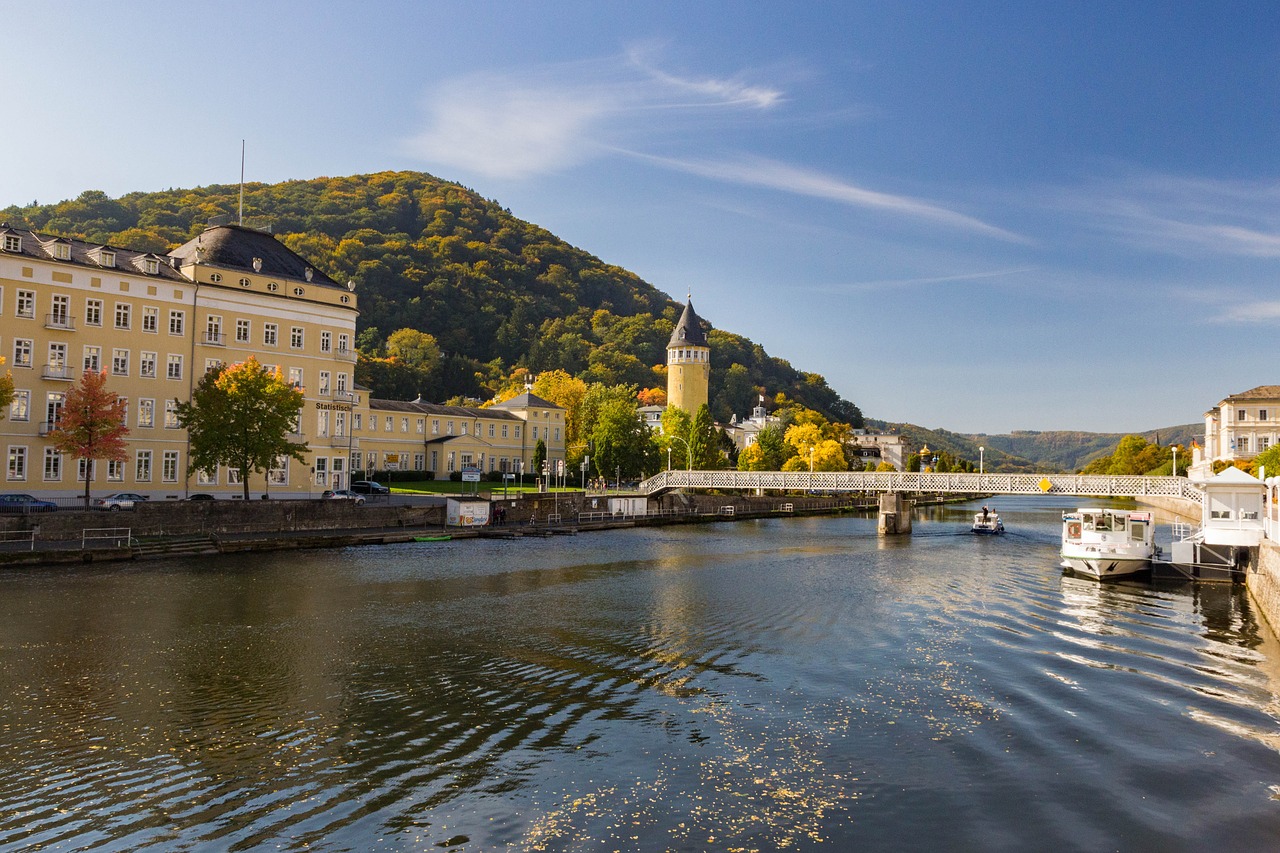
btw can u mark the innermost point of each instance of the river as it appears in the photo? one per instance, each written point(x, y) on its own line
point(793, 684)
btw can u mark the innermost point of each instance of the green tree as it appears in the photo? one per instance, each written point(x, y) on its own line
point(418, 350)
point(539, 456)
point(242, 416)
point(91, 426)
point(622, 440)
point(1268, 459)
point(704, 441)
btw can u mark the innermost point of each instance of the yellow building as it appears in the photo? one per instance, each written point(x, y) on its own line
point(156, 323)
point(441, 439)
point(688, 363)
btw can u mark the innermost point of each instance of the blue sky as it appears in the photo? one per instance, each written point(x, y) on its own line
point(982, 217)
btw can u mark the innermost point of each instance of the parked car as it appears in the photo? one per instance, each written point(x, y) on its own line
point(25, 503)
point(201, 496)
point(119, 501)
point(343, 495)
point(368, 487)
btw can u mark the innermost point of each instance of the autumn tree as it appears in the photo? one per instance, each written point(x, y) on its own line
point(6, 390)
point(242, 416)
point(91, 426)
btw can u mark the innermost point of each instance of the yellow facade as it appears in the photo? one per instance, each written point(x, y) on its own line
point(688, 364)
point(155, 323)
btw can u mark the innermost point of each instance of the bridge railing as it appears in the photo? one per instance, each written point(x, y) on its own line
point(1098, 485)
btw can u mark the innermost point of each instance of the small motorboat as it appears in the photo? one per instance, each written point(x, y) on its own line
point(987, 523)
point(1107, 543)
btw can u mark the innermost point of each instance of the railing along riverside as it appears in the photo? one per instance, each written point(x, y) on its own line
point(1098, 485)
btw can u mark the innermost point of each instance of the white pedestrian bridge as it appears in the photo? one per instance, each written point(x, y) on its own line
point(1085, 485)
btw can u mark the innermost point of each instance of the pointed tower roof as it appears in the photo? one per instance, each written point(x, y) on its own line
point(688, 332)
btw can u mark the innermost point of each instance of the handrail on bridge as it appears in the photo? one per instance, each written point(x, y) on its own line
point(1085, 485)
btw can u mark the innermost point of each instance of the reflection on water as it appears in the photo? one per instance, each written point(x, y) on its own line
point(788, 684)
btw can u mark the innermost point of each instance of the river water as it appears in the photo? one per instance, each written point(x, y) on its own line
point(793, 684)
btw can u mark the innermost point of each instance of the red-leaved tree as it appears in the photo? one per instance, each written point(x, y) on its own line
point(91, 426)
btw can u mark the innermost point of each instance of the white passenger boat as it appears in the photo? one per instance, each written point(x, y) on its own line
point(987, 523)
point(1107, 543)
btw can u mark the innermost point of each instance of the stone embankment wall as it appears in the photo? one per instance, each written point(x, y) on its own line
point(1263, 581)
point(1188, 510)
point(187, 518)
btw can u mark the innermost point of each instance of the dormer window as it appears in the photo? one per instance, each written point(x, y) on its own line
point(151, 266)
point(62, 251)
point(12, 243)
point(105, 257)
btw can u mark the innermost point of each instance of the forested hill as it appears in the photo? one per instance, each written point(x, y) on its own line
point(495, 291)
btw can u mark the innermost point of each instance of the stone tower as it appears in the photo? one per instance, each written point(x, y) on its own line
point(688, 363)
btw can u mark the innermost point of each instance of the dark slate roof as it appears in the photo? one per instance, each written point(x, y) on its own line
point(86, 254)
point(439, 409)
point(526, 400)
point(688, 332)
point(234, 247)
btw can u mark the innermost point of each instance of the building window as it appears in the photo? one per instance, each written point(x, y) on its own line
point(170, 414)
point(61, 315)
point(173, 369)
point(106, 258)
point(124, 315)
point(233, 476)
point(12, 243)
point(295, 377)
point(177, 319)
point(1240, 415)
point(52, 464)
point(57, 356)
point(324, 383)
point(491, 428)
point(93, 358)
point(404, 424)
point(355, 421)
point(20, 408)
point(150, 318)
point(517, 435)
point(322, 423)
point(22, 352)
point(212, 364)
point(26, 303)
point(341, 385)
point(419, 461)
point(270, 334)
point(142, 467)
point(1264, 441)
point(93, 312)
point(295, 337)
point(342, 344)
point(151, 266)
point(147, 365)
point(119, 362)
point(557, 434)
point(213, 330)
point(115, 471)
point(242, 331)
point(1262, 414)
point(464, 427)
point(207, 478)
point(279, 475)
point(326, 341)
point(146, 413)
point(504, 430)
point(169, 467)
point(391, 424)
point(17, 463)
point(422, 426)
point(340, 424)
point(435, 426)
point(1242, 444)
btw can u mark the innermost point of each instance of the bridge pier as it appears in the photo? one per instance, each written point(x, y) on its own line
point(895, 514)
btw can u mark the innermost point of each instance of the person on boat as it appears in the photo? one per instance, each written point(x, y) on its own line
point(985, 513)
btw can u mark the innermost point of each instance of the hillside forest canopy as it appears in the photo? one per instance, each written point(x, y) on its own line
point(456, 294)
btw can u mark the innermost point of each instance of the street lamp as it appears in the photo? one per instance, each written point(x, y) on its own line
point(981, 452)
point(688, 453)
point(1175, 460)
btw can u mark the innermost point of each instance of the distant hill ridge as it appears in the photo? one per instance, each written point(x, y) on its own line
point(1035, 451)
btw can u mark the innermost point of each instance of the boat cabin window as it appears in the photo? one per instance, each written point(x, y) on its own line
point(1097, 522)
point(1138, 531)
point(1119, 521)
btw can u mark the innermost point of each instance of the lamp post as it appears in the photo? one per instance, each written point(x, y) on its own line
point(981, 453)
point(810, 469)
point(1175, 460)
point(688, 454)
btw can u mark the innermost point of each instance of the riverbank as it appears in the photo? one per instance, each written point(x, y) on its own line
point(176, 528)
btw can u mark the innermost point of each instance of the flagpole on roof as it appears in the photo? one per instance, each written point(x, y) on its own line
point(242, 182)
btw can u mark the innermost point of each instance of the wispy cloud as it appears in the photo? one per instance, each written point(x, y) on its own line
point(1184, 216)
point(1262, 312)
point(898, 283)
point(545, 120)
point(771, 174)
